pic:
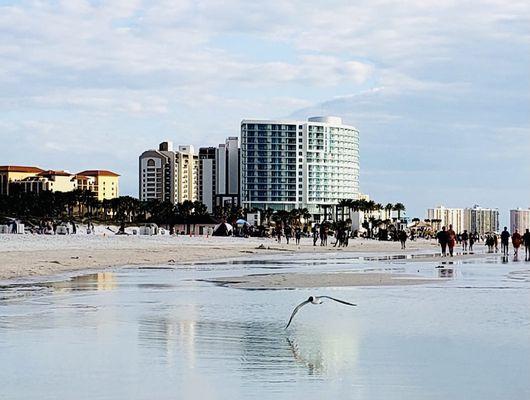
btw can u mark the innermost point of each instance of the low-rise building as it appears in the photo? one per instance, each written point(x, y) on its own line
point(50, 180)
point(104, 183)
point(12, 173)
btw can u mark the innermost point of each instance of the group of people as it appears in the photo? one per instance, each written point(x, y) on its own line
point(288, 232)
point(517, 241)
point(320, 231)
point(447, 238)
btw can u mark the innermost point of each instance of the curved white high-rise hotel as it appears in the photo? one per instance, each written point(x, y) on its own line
point(298, 164)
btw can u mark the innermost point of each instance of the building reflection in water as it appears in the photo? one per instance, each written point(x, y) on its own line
point(253, 347)
point(102, 281)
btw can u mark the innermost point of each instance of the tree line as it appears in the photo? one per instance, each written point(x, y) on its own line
point(83, 204)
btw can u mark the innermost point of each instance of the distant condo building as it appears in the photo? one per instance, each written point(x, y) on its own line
point(475, 219)
point(219, 170)
point(520, 219)
point(481, 220)
point(104, 183)
point(291, 164)
point(169, 175)
point(443, 216)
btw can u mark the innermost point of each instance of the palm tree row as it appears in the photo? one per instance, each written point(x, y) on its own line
point(366, 206)
point(83, 204)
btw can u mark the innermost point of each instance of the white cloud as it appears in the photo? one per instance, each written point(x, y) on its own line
point(75, 74)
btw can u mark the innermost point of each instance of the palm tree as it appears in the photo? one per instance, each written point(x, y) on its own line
point(268, 213)
point(389, 207)
point(399, 207)
point(342, 204)
point(199, 208)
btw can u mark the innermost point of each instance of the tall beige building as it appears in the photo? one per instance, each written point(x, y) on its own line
point(188, 173)
point(520, 219)
point(169, 175)
point(481, 220)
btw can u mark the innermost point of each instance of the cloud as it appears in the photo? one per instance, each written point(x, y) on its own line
point(422, 80)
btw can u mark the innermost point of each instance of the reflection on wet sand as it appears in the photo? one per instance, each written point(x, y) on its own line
point(98, 281)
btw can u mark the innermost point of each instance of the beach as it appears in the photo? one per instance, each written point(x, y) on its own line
point(30, 256)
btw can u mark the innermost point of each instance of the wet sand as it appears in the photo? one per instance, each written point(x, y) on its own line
point(320, 280)
point(23, 256)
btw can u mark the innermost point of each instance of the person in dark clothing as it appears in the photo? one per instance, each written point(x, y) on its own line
point(288, 231)
point(517, 239)
point(451, 242)
point(402, 235)
point(505, 240)
point(14, 226)
point(443, 239)
point(297, 235)
point(315, 234)
point(526, 242)
point(471, 241)
point(465, 240)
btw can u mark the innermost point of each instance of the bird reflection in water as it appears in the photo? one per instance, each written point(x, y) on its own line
point(315, 366)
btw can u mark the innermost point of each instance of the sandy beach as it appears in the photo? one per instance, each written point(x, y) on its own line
point(24, 256)
point(319, 280)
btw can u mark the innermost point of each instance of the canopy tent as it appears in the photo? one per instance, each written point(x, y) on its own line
point(223, 229)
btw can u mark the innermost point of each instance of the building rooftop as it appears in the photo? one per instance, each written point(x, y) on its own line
point(51, 172)
point(20, 168)
point(97, 172)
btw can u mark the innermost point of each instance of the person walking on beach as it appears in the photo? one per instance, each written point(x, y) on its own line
point(526, 242)
point(451, 242)
point(471, 241)
point(443, 238)
point(314, 230)
point(496, 242)
point(465, 240)
point(288, 232)
point(323, 235)
point(505, 240)
point(402, 235)
point(517, 239)
point(297, 235)
point(279, 233)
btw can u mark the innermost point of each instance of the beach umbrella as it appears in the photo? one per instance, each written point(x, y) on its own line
point(242, 222)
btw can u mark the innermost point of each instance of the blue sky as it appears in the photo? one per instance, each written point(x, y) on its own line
point(439, 90)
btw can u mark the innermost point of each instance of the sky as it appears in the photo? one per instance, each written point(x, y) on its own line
point(439, 90)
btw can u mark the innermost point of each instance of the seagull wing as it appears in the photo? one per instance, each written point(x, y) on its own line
point(337, 300)
point(299, 306)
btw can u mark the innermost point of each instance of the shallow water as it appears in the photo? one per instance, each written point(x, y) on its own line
point(164, 334)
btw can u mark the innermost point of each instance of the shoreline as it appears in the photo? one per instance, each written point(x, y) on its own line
point(31, 256)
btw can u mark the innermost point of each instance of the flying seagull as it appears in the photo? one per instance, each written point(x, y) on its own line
point(315, 300)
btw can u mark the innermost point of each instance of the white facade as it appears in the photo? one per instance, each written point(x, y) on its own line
point(219, 173)
point(520, 220)
point(447, 216)
point(298, 164)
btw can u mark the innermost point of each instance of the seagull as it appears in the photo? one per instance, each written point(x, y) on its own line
point(315, 300)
